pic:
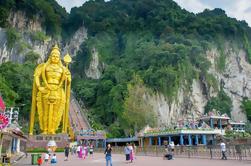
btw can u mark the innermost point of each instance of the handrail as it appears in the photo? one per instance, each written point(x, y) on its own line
point(82, 111)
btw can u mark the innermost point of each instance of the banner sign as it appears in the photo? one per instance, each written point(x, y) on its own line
point(4, 121)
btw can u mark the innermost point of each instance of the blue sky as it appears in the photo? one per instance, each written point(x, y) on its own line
point(239, 9)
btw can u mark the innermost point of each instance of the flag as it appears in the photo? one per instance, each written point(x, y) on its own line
point(2, 105)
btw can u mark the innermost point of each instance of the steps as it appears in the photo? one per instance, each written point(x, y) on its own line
point(78, 120)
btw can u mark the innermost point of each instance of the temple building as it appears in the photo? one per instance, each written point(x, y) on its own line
point(202, 131)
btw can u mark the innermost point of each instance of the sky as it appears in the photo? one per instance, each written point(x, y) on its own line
point(239, 9)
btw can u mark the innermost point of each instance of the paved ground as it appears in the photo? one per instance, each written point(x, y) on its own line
point(118, 160)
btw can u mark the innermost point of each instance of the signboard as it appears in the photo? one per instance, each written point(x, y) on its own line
point(4, 121)
point(91, 134)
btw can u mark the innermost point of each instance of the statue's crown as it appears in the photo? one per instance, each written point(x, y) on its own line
point(55, 49)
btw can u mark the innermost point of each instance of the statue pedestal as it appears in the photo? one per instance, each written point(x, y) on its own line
point(41, 141)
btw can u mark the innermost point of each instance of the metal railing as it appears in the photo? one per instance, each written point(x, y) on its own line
point(234, 152)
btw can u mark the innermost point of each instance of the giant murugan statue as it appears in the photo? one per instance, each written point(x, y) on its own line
point(51, 94)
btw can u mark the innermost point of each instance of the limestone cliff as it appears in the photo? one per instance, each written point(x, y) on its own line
point(27, 31)
point(24, 28)
point(95, 67)
point(235, 79)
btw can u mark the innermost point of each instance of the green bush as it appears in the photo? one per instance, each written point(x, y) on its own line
point(39, 36)
point(246, 107)
point(43, 150)
point(221, 103)
point(31, 57)
point(13, 36)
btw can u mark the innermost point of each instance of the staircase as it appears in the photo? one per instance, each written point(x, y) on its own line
point(77, 116)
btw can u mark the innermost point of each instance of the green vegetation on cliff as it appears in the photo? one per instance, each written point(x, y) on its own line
point(246, 107)
point(16, 85)
point(51, 14)
point(221, 103)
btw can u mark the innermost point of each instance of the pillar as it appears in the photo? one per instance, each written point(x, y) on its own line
point(169, 139)
point(181, 139)
point(104, 143)
point(13, 145)
point(18, 146)
point(150, 141)
point(97, 143)
point(142, 142)
point(213, 140)
point(204, 139)
point(211, 123)
point(220, 124)
point(159, 141)
point(189, 139)
point(196, 139)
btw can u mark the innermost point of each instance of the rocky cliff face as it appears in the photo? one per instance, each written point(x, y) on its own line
point(186, 105)
point(19, 20)
point(94, 69)
point(77, 39)
point(24, 27)
point(236, 82)
point(235, 79)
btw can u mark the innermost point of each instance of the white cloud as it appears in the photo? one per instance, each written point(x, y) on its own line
point(68, 4)
point(194, 6)
point(239, 9)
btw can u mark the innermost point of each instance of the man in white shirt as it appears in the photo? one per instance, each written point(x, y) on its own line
point(223, 150)
point(46, 158)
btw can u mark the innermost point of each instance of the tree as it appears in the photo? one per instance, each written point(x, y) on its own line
point(138, 112)
point(221, 103)
point(246, 107)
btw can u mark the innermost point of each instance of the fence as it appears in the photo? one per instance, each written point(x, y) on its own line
point(234, 152)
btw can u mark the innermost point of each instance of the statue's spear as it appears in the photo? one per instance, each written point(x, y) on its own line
point(67, 60)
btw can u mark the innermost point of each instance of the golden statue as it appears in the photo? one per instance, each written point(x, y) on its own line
point(51, 94)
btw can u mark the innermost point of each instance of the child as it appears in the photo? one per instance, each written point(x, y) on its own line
point(39, 161)
point(54, 159)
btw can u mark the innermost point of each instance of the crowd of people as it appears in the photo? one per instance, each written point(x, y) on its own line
point(83, 151)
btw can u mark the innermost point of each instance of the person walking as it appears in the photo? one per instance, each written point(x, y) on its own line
point(108, 155)
point(78, 150)
point(80, 153)
point(91, 150)
point(66, 152)
point(134, 150)
point(223, 150)
point(131, 152)
point(127, 152)
point(85, 151)
point(171, 145)
point(46, 158)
